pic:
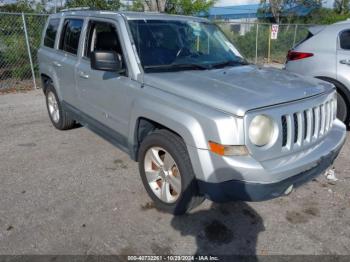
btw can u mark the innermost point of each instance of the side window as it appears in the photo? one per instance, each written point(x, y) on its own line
point(70, 35)
point(51, 32)
point(345, 40)
point(102, 36)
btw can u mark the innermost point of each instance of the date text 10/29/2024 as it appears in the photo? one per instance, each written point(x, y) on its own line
point(173, 258)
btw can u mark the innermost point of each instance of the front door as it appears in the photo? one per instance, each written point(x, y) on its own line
point(105, 96)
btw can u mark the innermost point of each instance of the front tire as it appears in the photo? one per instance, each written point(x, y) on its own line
point(58, 116)
point(342, 111)
point(167, 173)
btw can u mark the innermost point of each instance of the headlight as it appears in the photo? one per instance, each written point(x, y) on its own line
point(261, 130)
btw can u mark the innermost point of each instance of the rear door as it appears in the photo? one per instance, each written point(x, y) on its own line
point(67, 59)
point(47, 52)
point(343, 57)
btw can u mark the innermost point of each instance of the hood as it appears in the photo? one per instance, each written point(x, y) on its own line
point(237, 90)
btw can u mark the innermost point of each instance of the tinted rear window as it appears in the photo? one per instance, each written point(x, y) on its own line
point(51, 32)
point(71, 35)
point(345, 40)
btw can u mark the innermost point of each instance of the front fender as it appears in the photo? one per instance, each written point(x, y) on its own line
point(195, 123)
point(178, 121)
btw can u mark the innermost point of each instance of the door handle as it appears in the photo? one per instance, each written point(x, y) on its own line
point(56, 64)
point(83, 75)
point(345, 62)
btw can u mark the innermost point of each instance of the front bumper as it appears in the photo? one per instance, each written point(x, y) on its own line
point(244, 178)
point(245, 191)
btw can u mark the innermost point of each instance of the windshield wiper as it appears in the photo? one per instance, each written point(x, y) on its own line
point(229, 63)
point(184, 66)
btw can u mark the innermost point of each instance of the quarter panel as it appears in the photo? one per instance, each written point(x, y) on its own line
point(323, 63)
point(45, 57)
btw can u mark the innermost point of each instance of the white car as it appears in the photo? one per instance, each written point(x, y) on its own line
point(325, 54)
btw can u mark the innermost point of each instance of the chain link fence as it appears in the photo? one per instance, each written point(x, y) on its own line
point(254, 41)
point(20, 36)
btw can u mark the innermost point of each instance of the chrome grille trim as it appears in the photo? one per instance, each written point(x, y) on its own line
point(308, 125)
point(323, 119)
point(317, 122)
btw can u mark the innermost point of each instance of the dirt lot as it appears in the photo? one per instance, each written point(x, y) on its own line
point(73, 193)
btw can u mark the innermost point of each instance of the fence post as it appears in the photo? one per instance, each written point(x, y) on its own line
point(295, 34)
point(28, 49)
point(269, 46)
point(256, 43)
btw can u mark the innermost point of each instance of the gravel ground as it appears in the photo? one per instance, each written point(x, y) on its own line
point(71, 192)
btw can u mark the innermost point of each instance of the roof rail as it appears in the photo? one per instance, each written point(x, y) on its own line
point(75, 9)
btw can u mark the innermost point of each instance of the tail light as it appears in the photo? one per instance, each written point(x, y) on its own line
point(294, 55)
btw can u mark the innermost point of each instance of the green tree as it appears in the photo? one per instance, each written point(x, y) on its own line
point(275, 7)
point(18, 7)
point(137, 5)
point(184, 7)
point(279, 8)
point(155, 5)
point(95, 4)
point(325, 16)
point(14, 60)
point(341, 6)
point(188, 7)
point(25, 6)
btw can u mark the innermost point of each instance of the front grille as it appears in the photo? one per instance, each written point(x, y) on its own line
point(296, 127)
point(307, 125)
point(284, 131)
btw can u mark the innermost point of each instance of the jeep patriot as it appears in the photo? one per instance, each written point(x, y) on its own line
point(176, 95)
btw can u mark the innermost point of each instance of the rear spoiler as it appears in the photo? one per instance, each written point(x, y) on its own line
point(316, 29)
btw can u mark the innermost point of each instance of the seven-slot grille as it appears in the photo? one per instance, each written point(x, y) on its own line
point(308, 125)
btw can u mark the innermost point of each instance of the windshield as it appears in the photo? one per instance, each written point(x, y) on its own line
point(167, 45)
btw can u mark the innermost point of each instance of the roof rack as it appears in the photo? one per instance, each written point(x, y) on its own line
point(76, 9)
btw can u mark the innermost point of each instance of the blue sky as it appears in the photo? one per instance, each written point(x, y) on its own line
point(327, 3)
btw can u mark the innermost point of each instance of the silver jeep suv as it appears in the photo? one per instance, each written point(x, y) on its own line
point(175, 94)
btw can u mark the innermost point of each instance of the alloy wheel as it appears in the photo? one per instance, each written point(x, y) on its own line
point(162, 174)
point(53, 107)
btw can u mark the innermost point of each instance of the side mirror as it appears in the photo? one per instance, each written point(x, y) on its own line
point(106, 61)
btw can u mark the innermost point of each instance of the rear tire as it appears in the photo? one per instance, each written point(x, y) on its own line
point(58, 116)
point(163, 156)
